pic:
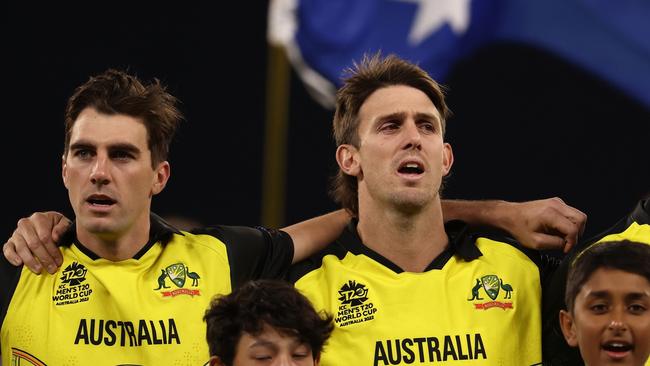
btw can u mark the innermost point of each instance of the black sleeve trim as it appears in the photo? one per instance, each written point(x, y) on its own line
point(10, 276)
point(254, 253)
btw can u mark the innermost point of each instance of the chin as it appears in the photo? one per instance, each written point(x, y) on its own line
point(98, 225)
point(411, 203)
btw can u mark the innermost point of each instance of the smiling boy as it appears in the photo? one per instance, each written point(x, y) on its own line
point(608, 302)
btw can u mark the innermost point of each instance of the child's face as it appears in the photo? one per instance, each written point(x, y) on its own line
point(611, 319)
point(272, 348)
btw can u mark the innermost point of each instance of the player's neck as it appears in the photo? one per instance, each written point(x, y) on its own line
point(117, 246)
point(410, 240)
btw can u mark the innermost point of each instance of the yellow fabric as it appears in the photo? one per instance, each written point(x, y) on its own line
point(96, 312)
point(388, 318)
point(634, 232)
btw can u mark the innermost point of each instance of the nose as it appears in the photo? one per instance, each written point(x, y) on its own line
point(618, 322)
point(413, 138)
point(100, 171)
point(284, 360)
point(617, 326)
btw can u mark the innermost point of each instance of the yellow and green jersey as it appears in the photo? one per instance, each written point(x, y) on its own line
point(634, 227)
point(478, 303)
point(146, 310)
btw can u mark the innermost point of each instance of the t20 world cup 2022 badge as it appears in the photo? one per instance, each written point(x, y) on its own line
point(73, 287)
point(354, 306)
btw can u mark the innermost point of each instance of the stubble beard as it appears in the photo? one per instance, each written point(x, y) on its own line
point(411, 203)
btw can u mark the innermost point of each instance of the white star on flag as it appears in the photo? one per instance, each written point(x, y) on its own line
point(433, 14)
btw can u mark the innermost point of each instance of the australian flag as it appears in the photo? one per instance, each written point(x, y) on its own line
point(610, 39)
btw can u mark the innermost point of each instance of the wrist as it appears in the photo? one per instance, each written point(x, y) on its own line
point(502, 214)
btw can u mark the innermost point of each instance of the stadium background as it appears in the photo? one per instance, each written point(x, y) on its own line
point(527, 123)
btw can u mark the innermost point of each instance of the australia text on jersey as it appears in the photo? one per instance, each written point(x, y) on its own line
point(126, 333)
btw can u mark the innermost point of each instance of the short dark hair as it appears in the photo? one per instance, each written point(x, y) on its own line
point(264, 302)
point(364, 78)
point(625, 255)
point(116, 92)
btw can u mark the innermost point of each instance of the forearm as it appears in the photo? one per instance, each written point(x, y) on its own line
point(313, 235)
point(495, 213)
point(541, 224)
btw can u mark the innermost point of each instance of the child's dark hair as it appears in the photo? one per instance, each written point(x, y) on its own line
point(628, 256)
point(256, 304)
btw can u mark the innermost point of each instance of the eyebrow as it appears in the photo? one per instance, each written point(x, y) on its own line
point(396, 115)
point(430, 116)
point(599, 294)
point(637, 296)
point(402, 115)
point(264, 343)
point(113, 147)
point(124, 147)
point(81, 145)
point(629, 296)
point(261, 343)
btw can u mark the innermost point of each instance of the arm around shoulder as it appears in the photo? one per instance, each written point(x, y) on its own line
point(33, 243)
point(541, 224)
point(311, 236)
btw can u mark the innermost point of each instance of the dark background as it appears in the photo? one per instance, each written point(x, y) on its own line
point(527, 125)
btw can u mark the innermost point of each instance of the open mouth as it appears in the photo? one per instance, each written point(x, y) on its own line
point(411, 168)
point(100, 200)
point(617, 349)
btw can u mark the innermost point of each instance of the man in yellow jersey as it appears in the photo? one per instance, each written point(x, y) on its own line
point(131, 289)
point(404, 288)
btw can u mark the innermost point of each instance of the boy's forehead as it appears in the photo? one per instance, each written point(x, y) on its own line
point(270, 335)
point(605, 282)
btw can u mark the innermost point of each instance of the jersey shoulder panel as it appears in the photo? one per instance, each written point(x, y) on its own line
point(253, 252)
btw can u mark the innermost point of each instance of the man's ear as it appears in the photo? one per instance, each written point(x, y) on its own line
point(347, 156)
point(64, 171)
point(568, 328)
point(215, 361)
point(447, 158)
point(161, 176)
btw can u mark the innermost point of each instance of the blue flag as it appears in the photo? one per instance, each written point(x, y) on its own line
point(610, 39)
